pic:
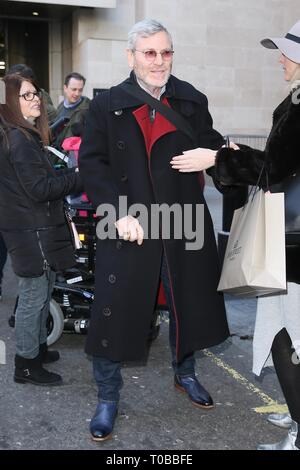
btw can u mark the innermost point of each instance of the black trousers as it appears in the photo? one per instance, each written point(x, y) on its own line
point(3, 256)
point(287, 366)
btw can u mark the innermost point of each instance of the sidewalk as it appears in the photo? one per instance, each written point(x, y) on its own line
point(153, 415)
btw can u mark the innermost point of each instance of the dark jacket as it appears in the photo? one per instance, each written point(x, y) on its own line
point(32, 219)
point(75, 116)
point(281, 158)
point(113, 161)
point(281, 155)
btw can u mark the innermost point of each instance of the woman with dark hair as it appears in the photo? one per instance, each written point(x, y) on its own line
point(32, 222)
point(27, 72)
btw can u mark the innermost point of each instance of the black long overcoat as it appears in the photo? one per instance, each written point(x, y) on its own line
point(113, 162)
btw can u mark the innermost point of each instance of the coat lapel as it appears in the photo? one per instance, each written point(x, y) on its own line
point(152, 131)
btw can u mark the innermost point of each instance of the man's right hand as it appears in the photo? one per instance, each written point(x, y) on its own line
point(130, 229)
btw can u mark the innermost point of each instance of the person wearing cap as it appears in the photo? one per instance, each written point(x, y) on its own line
point(277, 328)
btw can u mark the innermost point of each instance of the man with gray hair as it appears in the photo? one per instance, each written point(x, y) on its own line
point(132, 132)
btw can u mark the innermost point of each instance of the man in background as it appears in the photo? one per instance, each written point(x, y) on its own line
point(73, 105)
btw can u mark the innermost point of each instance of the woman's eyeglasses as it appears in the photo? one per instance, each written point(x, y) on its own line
point(29, 95)
point(150, 55)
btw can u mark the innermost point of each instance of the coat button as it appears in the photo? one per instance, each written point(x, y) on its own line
point(124, 178)
point(104, 343)
point(119, 112)
point(119, 245)
point(106, 312)
point(112, 278)
point(121, 144)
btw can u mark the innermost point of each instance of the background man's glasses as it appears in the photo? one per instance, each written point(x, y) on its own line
point(151, 54)
point(29, 95)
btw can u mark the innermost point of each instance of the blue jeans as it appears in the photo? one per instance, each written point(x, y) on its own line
point(3, 256)
point(32, 313)
point(107, 373)
point(108, 377)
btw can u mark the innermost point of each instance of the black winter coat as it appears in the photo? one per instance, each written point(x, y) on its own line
point(281, 158)
point(32, 219)
point(281, 155)
point(114, 162)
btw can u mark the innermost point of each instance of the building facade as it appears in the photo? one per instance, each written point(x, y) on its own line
point(217, 48)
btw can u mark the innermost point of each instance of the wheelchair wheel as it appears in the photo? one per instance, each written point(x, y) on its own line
point(55, 323)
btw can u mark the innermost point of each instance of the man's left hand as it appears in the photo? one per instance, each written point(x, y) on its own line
point(194, 160)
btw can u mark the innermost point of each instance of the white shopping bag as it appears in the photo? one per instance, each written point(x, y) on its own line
point(254, 262)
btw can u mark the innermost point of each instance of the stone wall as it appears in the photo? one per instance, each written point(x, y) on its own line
point(217, 49)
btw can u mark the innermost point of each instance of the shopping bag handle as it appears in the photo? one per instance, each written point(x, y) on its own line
point(255, 188)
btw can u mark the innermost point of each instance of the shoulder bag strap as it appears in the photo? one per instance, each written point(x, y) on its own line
point(169, 113)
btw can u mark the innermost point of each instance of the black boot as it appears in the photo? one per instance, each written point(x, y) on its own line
point(31, 370)
point(48, 356)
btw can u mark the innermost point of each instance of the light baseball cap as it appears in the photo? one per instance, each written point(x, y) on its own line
point(289, 45)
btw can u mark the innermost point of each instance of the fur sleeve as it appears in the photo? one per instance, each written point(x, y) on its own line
point(281, 156)
point(239, 166)
point(283, 149)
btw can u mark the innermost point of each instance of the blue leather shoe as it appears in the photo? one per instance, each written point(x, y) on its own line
point(103, 421)
point(196, 392)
